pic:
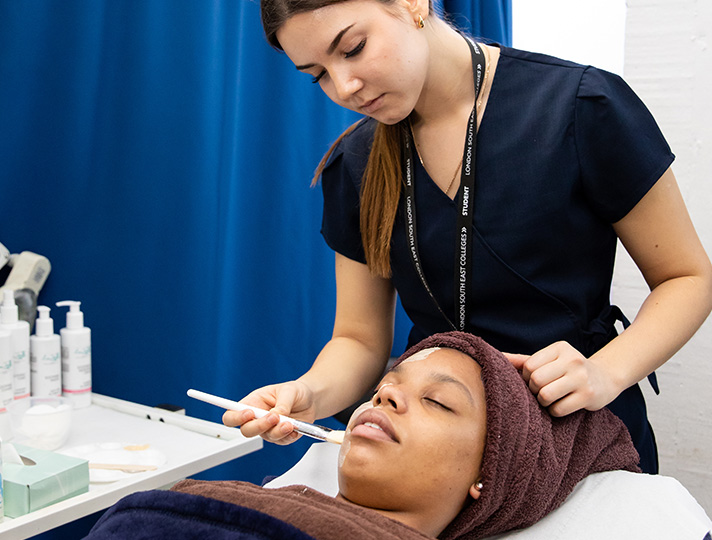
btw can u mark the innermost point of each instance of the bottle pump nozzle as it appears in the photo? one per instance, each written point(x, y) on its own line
point(44, 325)
point(75, 318)
point(9, 312)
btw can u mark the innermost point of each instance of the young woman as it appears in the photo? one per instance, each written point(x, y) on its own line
point(487, 187)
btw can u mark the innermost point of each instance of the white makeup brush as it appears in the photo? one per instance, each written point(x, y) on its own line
point(310, 430)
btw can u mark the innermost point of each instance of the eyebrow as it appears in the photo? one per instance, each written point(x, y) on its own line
point(330, 49)
point(438, 377)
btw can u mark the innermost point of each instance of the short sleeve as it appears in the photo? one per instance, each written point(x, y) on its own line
point(622, 152)
point(341, 184)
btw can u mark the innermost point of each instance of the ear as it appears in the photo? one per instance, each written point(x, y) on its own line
point(416, 7)
point(474, 490)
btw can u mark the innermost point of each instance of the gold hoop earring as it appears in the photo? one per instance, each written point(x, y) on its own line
point(421, 22)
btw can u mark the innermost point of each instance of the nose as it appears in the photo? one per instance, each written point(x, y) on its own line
point(346, 84)
point(391, 396)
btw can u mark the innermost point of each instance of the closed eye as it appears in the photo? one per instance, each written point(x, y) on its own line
point(316, 79)
point(357, 49)
point(438, 404)
point(350, 54)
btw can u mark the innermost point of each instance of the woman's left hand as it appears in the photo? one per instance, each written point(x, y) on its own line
point(564, 380)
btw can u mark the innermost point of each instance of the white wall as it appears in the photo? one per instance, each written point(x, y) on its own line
point(662, 48)
point(590, 32)
point(668, 62)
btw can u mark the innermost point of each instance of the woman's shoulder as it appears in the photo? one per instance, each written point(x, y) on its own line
point(590, 80)
point(356, 144)
point(522, 56)
point(351, 153)
point(362, 132)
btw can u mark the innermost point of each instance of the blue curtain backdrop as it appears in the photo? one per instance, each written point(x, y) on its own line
point(159, 153)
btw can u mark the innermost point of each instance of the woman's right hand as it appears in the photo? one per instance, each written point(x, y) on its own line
point(293, 398)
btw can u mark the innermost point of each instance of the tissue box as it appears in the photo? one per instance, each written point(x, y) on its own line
point(55, 477)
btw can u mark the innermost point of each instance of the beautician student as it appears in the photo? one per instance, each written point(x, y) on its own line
point(512, 239)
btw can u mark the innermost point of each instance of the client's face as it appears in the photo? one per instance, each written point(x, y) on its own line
point(417, 446)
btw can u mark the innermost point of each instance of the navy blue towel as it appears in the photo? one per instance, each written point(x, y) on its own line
point(171, 515)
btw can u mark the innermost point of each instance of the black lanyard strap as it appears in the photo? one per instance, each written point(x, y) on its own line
point(465, 214)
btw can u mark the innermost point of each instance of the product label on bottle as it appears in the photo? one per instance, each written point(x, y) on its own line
point(21, 361)
point(46, 372)
point(21, 365)
point(6, 379)
point(76, 369)
point(2, 493)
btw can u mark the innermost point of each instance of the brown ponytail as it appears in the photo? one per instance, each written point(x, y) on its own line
point(380, 193)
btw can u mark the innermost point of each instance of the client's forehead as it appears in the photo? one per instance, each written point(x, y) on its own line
point(440, 362)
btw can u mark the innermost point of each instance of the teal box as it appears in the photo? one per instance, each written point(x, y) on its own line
point(53, 478)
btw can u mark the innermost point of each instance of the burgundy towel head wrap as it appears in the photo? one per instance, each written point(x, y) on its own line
point(532, 461)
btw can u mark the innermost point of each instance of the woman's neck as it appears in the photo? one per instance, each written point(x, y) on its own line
point(448, 94)
point(448, 85)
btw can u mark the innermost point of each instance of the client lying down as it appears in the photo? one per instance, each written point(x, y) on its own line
point(448, 447)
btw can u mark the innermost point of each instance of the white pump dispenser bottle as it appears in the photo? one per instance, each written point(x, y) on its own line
point(45, 357)
point(6, 380)
point(6, 373)
point(20, 332)
point(76, 357)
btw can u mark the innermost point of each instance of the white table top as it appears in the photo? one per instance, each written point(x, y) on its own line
point(191, 445)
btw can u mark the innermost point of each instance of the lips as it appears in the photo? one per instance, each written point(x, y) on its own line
point(374, 424)
point(372, 105)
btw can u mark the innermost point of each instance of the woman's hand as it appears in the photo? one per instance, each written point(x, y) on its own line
point(292, 398)
point(564, 381)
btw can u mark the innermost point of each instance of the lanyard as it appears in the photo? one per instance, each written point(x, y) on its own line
point(463, 258)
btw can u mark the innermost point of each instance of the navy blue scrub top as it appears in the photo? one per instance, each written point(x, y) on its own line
point(563, 151)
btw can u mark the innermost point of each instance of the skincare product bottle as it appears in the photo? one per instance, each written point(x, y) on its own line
point(7, 375)
point(2, 493)
point(20, 332)
point(76, 356)
point(45, 357)
point(6, 378)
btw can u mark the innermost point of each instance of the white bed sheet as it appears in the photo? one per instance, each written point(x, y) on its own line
point(615, 505)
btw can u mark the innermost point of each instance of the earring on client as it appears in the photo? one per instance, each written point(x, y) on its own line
point(421, 22)
point(475, 490)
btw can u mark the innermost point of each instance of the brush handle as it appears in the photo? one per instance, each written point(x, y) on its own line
point(311, 430)
point(227, 404)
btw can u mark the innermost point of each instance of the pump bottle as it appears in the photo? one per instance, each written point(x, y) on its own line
point(76, 356)
point(20, 332)
point(7, 375)
point(45, 357)
point(6, 379)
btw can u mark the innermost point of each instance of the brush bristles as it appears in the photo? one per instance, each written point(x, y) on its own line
point(336, 437)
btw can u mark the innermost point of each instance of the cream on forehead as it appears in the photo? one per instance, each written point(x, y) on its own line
point(421, 355)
